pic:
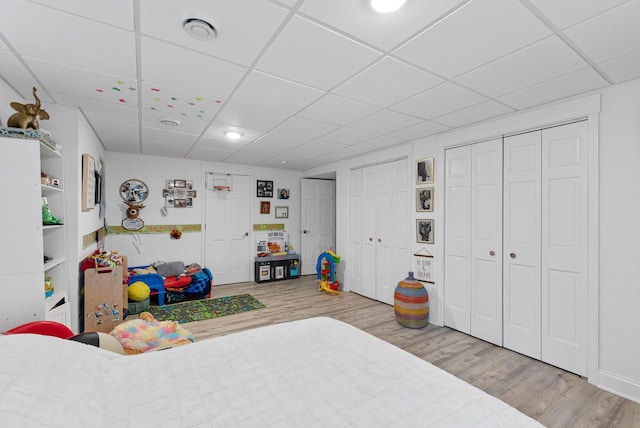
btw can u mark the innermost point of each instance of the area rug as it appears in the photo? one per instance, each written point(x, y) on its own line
point(198, 310)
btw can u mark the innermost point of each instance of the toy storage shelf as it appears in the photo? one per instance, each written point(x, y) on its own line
point(276, 268)
point(23, 269)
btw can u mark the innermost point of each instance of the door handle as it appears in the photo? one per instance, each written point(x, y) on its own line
point(492, 253)
point(512, 255)
point(370, 239)
point(379, 239)
point(306, 231)
point(246, 234)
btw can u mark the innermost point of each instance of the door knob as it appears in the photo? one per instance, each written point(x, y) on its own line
point(512, 255)
point(306, 231)
point(246, 234)
point(370, 239)
point(492, 253)
point(379, 239)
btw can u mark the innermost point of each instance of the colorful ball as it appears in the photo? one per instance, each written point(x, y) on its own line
point(139, 291)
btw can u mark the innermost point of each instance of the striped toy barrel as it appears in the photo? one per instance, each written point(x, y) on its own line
point(411, 303)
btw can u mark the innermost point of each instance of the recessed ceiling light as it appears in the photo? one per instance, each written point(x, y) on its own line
point(169, 122)
point(386, 6)
point(199, 29)
point(232, 135)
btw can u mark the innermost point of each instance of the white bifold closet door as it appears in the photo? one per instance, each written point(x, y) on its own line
point(516, 243)
point(379, 230)
point(473, 245)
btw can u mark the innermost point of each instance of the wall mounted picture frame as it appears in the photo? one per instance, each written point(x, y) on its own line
point(88, 182)
point(264, 189)
point(424, 171)
point(424, 199)
point(282, 212)
point(283, 193)
point(424, 231)
point(179, 193)
point(265, 207)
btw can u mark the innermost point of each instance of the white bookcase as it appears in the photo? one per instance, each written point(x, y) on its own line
point(26, 240)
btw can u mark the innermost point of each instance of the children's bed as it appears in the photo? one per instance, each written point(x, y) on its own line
point(317, 372)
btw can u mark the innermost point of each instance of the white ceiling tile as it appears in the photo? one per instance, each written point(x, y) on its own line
point(208, 154)
point(609, 35)
point(387, 82)
point(382, 30)
point(544, 60)
point(120, 138)
point(273, 93)
point(244, 115)
point(255, 153)
point(3, 46)
point(220, 145)
point(114, 12)
point(442, 99)
point(295, 131)
point(187, 125)
point(382, 142)
point(217, 132)
point(337, 110)
point(69, 39)
point(385, 121)
point(176, 67)
point(477, 33)
point(420, 130)
point(95, 110)
point(309, 150)
point(243, 26)
point(348, 136)
point(566, 13)
point(623, 68)
point(169, 100)
point(565, 86)
point(165, 143)
point(84, 83)
point(314, 61)
point(14, 72)
point(289, 3)
point(473, 114)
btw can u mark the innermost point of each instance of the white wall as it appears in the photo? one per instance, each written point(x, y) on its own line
point(154, 171)
point(614, 318)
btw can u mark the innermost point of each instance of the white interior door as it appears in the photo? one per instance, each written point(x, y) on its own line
point(457, 245)
point(318, 221)
point(486, 241)
point(368, 219)
point(228, 226)
point(522, 247)
point(564, 247)
point(392, 262)
point(356, 196)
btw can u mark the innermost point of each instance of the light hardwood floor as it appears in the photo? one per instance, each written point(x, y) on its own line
point(550, 395)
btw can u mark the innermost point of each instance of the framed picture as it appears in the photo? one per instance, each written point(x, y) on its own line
point(265, 207)
point(88, 182)
point(424, 231)
point(180, 183)
point(264, 189)
point(423, 268)
point(283, 193)
point(424, 171)
point(282, 212)
point(424, 199)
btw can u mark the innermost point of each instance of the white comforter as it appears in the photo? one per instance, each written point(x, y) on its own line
point(312, 373)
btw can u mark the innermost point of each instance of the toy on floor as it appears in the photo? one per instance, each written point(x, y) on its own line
point(326, 269)
point(147, 333)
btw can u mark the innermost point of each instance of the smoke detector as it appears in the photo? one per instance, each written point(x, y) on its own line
point(199, 29)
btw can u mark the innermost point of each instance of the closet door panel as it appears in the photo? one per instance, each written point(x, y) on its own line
point(356, 228)
point(521, 244)
point(457, 293)
point(370, 193)
point(486, 241)
point(564, 241)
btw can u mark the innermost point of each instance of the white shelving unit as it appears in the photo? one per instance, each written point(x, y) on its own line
point(26, 240)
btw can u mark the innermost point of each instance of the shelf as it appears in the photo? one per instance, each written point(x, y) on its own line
point(53, 263)
point(52, 226)
point(51, 189)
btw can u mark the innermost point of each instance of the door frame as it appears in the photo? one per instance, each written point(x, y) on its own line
point(587, 107)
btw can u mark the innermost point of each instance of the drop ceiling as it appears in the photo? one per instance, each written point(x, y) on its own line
point(308, 82)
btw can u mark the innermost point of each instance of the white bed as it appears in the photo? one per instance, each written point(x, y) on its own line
point(317, 372)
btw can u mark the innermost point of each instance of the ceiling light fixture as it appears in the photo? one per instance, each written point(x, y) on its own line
point(169, 122)
point(199, 29)
point(233, 135)
point(386, 6)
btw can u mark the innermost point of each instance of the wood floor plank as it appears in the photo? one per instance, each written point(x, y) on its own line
point(552, 396)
